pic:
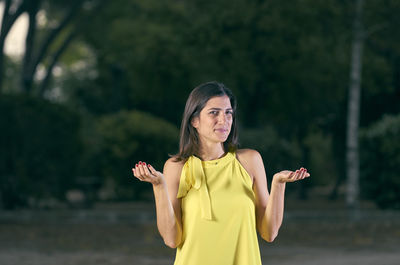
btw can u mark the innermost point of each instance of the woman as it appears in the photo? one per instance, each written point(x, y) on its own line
point(212, 197)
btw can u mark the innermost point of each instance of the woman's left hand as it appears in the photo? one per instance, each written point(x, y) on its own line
point(291, 176)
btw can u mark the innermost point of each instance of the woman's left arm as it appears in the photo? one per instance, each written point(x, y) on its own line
point(269, 207)
point(272, 219)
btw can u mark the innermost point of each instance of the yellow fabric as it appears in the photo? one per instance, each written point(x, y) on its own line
point(218, 214)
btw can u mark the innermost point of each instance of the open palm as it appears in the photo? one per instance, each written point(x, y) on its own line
point(291, 176)
point(147, 173)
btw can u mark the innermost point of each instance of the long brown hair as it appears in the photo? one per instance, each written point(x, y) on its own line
point(189, 143)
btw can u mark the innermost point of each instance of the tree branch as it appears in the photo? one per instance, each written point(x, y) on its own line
point(7, 22)
point(26, 79)
point(9, 19)
point(54, 60)
point(50, 38)
point(45, 83)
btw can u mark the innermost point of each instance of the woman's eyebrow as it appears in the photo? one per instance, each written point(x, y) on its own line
point(219, 109)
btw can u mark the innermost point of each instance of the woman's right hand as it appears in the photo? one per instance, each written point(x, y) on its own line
point(147, 173)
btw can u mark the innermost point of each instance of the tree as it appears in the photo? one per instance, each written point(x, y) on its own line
point(284, 75)
point(10, 14)
point(40, 144)
point(353, 110)
point(54, 39)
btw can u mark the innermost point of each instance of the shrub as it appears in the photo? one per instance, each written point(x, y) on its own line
point(40, 149)
point(278, 153)
point(128, 137)
point(380, 162)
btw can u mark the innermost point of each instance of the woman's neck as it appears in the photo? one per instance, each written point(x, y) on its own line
point(211, 152)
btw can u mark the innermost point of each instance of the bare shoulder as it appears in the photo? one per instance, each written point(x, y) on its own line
point(248, 155)
point(173, 168)
point(251, 160)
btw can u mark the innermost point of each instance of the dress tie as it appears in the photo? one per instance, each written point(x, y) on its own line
point(193, 176)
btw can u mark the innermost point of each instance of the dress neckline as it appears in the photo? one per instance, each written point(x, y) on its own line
point(219, 161)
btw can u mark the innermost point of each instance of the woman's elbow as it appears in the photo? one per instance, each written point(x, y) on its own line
point(270, 237)
point(171, 243)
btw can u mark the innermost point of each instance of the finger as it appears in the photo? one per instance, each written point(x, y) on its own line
point(140, 172)
point(135, 170)
point(306, 175)
point(296, 175)
point(140, 169)
point(135, 173)
point(152, 170)
point(291, 177)
point(146, 170)
point(302, 173)
point(299, 174)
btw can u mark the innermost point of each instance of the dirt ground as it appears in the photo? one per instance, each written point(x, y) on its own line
point(127, 234)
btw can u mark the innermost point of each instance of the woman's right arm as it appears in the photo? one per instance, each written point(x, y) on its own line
point(168, 207)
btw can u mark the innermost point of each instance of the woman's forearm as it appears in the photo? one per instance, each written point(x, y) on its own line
point(167, 223)
point(273, 214)
point(274, 211)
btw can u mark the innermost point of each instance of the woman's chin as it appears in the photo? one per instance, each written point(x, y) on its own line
point(222, 139)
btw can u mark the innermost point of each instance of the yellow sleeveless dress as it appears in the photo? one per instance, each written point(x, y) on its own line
point(218, 214)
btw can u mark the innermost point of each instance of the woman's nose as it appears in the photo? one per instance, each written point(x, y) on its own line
point(222, 118)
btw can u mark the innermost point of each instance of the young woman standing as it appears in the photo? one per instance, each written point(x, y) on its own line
point(212, 198)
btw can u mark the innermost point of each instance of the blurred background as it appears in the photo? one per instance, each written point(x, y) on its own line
point(90, 87)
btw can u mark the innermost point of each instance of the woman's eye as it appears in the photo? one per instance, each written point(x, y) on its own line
point(214, 112)
point(229, 112)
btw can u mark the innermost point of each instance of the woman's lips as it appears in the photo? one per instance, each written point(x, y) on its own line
point(221, 130)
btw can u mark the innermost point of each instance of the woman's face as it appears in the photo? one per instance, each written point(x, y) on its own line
point(215, 120)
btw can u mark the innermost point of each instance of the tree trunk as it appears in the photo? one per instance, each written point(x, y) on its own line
point(26, 79)
point(7, 22)
point(79, 25)
point(352, 152)
point(45, 83)
point(49, 40)
point(34, 54)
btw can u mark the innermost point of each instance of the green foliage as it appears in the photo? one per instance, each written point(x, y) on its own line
point(11, 80)
point(380, 162)
point(278, 153)
point(287, 63)
point(321, 161)
point(381, 67)
point(128, 137)
point(40, 149)
point(257, 48)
